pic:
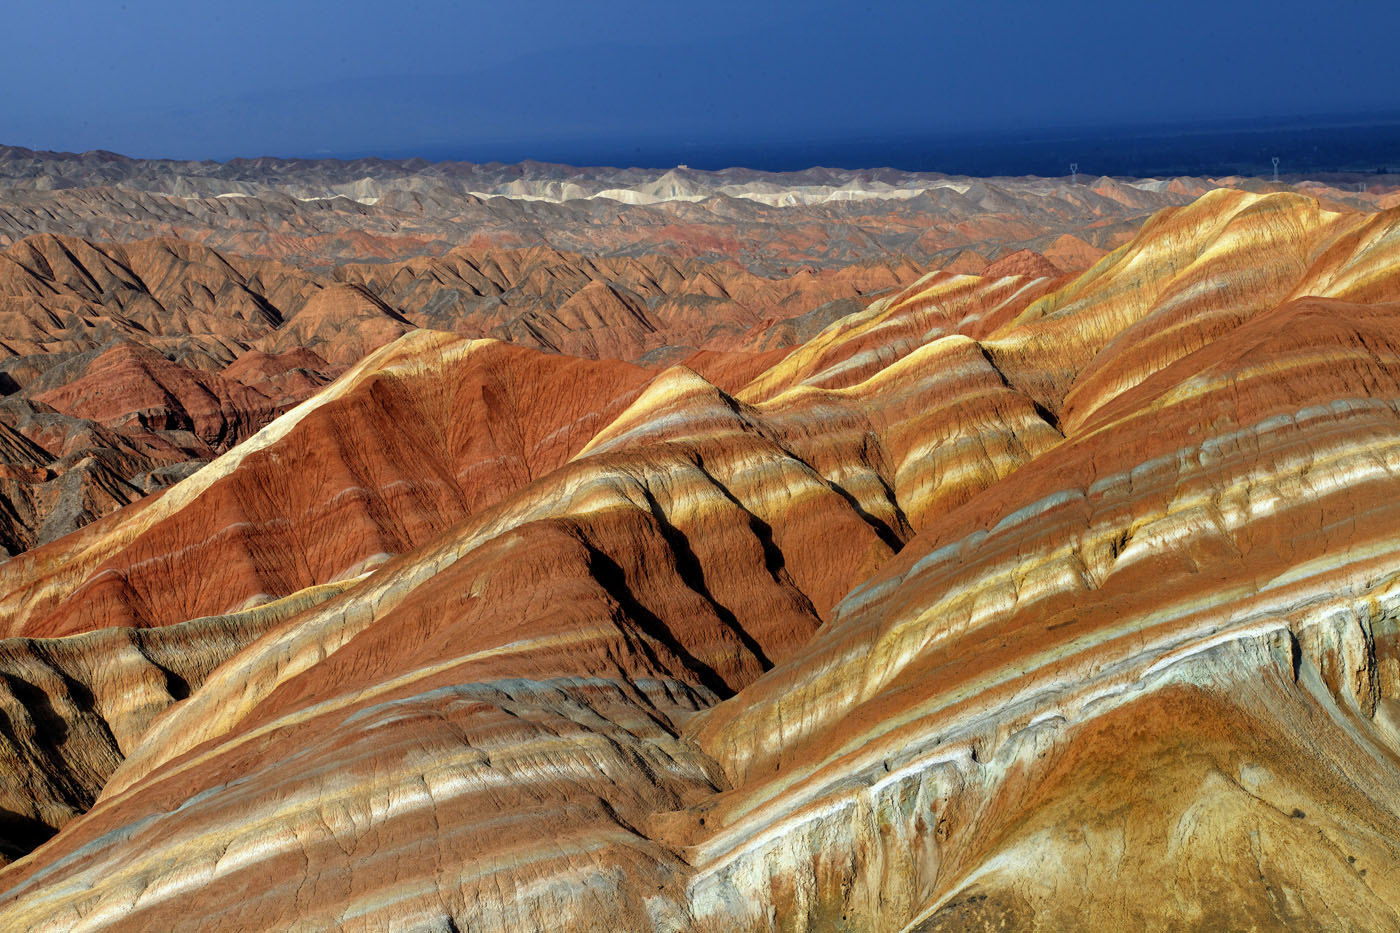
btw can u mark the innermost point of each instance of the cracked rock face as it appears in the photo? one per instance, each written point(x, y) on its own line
point(1006, 601)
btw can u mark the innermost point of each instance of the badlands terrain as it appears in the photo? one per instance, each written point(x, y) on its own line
point(157, 313)
point(448, 547)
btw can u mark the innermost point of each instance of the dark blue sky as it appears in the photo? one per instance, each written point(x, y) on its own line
point(566, 80)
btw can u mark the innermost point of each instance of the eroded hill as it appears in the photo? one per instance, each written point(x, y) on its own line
point(1006, 600)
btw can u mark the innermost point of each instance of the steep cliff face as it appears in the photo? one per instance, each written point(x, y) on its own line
point(1040, 599)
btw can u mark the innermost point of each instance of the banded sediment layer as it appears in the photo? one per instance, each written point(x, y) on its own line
point(1007, 600)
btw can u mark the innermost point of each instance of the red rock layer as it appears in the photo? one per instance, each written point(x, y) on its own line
point(388, 458)
point(134, 386)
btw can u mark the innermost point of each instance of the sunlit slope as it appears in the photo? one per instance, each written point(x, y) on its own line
point(1163, 657)
point(1191, 275)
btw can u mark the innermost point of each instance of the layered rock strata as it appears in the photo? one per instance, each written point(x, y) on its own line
point(1001, 602)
